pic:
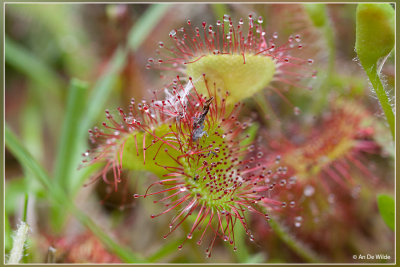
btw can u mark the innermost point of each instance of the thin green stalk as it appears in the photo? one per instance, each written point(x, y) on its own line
point(382, 97)
point(25, 214)
point(299, 248)
point(7, 232)
point(61, 200)
point(141, 30)
point(325, 86)
point(330, 40)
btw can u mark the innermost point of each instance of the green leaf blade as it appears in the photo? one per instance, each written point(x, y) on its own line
point(68, 142)
point(142, 29)
point(386, 208)
point(31, 66)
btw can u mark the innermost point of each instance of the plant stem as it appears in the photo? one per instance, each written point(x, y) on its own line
point(25, 207)
point(325, 86)
point(382, 97)
point(293, 243)
point(17, 251)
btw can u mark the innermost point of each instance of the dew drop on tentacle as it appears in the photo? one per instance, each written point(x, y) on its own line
point(172, 33)
point(314, 74)
point(308, 190)
point(296, 111)
point(251, 238)
point(298, 221)
point(226, 18)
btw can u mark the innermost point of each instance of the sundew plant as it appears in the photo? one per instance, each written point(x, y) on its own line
point(199, 133)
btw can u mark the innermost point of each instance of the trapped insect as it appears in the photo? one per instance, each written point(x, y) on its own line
point(198, 122)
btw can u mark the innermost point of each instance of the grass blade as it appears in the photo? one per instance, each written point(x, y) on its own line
point(94, 104)
point(25, 214)
point(65, 165)
point(144, 26)
point(31, 66)
point(7, 233)
point(103, 88)
point(61, 199)
point(25, 158)
point(68, 143)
